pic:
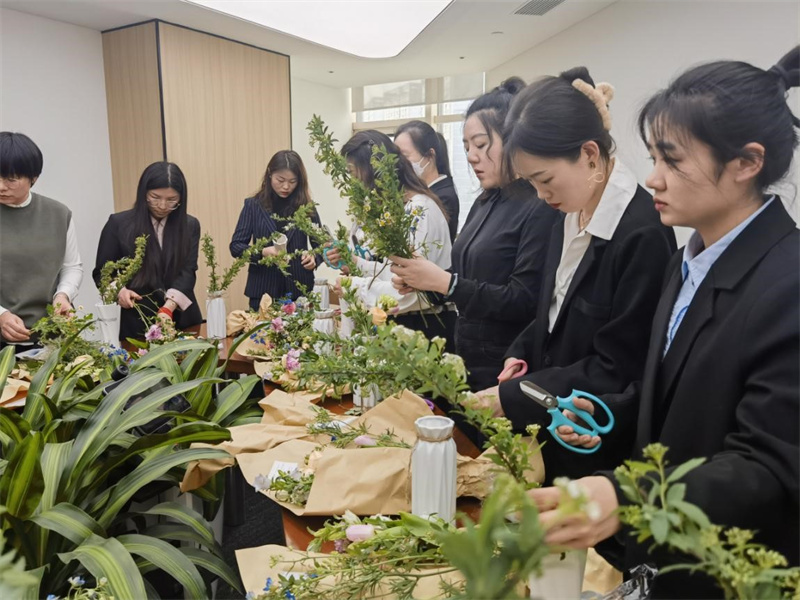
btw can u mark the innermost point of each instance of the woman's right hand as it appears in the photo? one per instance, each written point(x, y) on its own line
point(334, 253)
point(127, 298)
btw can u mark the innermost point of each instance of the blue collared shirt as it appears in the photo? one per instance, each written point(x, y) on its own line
point(696, 264)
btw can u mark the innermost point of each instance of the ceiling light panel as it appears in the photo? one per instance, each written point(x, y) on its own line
point(367, 28)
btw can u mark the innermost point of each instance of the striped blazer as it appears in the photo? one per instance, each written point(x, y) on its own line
point(256, 222)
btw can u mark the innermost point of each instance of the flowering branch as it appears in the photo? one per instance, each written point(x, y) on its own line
point(115, 275)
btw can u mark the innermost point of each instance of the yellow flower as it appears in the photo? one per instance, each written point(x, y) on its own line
point(378, 316)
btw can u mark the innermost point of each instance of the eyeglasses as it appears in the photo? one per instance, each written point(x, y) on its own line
point(168, 204)
point(11, 182)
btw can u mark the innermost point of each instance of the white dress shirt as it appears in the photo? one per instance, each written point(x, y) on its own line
point(71, 273)
point(618, 193)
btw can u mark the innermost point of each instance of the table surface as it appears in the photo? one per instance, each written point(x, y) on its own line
point(296, 528)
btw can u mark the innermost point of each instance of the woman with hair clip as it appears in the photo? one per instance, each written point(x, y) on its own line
point(722, 374)
point(284, 189)
point(427, 151)
point(499, 255)
point(603, 271)
point(165, 283)
point(431, 234)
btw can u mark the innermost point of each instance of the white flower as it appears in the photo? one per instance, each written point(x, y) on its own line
point(261, 483)
point(455, 361)
point(403, 333)
point(574, 490)
point(350, 518)
point(593, 511)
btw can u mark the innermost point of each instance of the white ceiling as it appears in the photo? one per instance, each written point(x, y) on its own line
point(460, 40)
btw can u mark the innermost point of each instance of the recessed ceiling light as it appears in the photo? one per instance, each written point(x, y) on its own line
point(375, 29)
point(497, 33)
point(330, 71)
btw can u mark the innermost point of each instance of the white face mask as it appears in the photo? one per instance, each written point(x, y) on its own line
point(418, 168)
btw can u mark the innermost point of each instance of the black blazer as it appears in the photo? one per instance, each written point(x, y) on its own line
point(499, 258)
point(256, 222)
point(599, 340)
point(115, 243)
point(729, 389)
point(446, 191)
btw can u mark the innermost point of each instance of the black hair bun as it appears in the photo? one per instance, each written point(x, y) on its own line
point(788, 68)
point(577, 73)
point(512, 85)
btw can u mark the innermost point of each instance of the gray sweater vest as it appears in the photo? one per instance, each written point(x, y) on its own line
point(33, 240)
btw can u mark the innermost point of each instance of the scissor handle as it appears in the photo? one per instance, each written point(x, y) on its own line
point(568, 404)
point(555, 424)
point(340, 264)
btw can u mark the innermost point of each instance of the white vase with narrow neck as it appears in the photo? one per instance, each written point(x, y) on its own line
point(433, 469)
point(346, 325)
point(561, 578)
point(108, 317)
point(321, 288)
point(216, 315)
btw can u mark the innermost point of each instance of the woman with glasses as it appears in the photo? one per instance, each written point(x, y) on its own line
point(284, 189)
point(165, 283)
point(35, 270)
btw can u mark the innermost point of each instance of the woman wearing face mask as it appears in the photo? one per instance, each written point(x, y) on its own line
point(499, 255)
point(165, 283)
point(427, 152)
point(283, 190)
point(722, 375)
point(604, 266)
point(413, 311)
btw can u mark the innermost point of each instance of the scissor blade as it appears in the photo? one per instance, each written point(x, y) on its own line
point(538, 394)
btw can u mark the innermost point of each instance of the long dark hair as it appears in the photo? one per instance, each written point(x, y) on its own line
point(727, 105)
point(290, 160)
point(427, 140)
point(358, 150)
point(161, 263)
point(491, 109)
point(553, 119)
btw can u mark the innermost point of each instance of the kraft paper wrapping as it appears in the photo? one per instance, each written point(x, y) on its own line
point(14, 393)
point(255, 565)
point(242, 320)
point(289, 408)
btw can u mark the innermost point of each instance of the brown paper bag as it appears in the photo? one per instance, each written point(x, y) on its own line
point(255, 566)
point(254, 437)
point(289, 408)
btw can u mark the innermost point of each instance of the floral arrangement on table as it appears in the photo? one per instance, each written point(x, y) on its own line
point(290, 332)
point(379, 212)
point(295, 486)
point(659, 511)
point(115, 275)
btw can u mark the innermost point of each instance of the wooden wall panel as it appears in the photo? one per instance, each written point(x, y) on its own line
point(226, 112)
point(134, 107)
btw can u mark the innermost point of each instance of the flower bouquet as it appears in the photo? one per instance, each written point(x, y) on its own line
point(114, 276)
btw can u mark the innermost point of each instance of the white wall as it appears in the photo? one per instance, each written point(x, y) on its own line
point(52, 88)
point(640, 45)
point(333, 106)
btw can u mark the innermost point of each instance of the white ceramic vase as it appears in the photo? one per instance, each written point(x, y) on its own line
point(433, 469)
point(560, 578)
point(365, 397)
point(216, 315)
point(321, 288)
point(108, 317)
point(346, 325)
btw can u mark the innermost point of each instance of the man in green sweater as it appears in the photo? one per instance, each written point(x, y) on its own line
point(39, 259)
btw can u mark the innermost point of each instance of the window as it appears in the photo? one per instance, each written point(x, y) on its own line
point(441, 102)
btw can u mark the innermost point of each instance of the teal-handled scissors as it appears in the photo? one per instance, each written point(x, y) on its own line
point(358, 250)
point(555, 405)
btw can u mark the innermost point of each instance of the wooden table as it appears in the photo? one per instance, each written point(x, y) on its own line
point(296, 528)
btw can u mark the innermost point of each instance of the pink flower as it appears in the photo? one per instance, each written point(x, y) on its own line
point(365, 440)
point(293, 360)
point(277, 324)
point(141, 351)
point(289, 308)
point(359, 533)
point(154, 333)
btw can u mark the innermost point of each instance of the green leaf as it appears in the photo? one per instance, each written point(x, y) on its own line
point(22, 483)
point(69, 521)
point(7, 363)
point(676, 493)
point(13, 425)
point(33, 592)
point(214, 565)
point(233, 396)
point(183, 514)
point(33, 410)
point(681, 470)
point(693, 512)
point(54, 464)
point(181, 533)
point(109, 558)
point(169, 559)
point(168, 364)
point(659, 526)
point(149, 470)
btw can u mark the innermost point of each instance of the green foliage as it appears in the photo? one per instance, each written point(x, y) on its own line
point(14, 581)
point(221, 282)
point(659, 511)
point(115, 275)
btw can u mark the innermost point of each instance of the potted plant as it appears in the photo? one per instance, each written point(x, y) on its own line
point(114, 276)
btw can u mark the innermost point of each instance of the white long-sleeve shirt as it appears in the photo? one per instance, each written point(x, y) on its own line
point(71, 273)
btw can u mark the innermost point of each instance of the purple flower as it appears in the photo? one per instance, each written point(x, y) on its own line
point(365, 440)
point(340, 545)
point(430, 404)
point(277, 324)
point(293, 360)
point(359, 533)
point(154, 333)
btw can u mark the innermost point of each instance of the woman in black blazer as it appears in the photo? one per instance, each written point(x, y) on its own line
point(426, 150)
point(722, 376)
point(604, 266)
point(283, 190)
point(498, 258)
point(165, 283)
